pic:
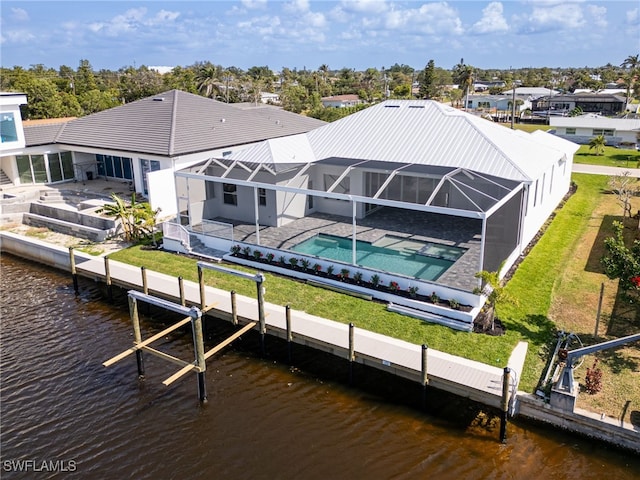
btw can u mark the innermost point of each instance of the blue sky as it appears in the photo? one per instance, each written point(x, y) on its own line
point(304, 33)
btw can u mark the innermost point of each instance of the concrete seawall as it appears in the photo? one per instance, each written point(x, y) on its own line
point(527, 406)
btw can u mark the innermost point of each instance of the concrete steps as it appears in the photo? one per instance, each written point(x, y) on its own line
point(4, 180)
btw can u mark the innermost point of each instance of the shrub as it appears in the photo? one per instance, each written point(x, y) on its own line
point(270, 257)
point(413, 290)
point(246, 251)
point(330, 269)
point(257, 254)
point(235, 249)
point(305, 263)
point(434, 297)
point(282, 260)
point(357, 277)
point(453, 303)
point(317, 267)
point(293, 261)
point(593, 379)
point(375, 280)
point(344, 272)
point(393, 286)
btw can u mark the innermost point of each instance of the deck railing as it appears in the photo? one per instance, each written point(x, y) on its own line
point(175, 231)
point(212, 228)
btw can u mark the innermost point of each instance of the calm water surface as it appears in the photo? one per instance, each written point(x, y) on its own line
point(264, 420)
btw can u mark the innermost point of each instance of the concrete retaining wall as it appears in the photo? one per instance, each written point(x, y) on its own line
point(585, 423)
point(72, 216)
point(39, 251)
point(68, 228)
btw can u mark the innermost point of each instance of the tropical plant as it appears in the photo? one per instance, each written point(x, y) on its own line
point(597, 144)
point(345, 273)
point(453, 303)
point(357, 277)
point(494, 291)
point(138, 219)
point(375, 280)
point(434, 297)
point(413, 291)
point(305, 263)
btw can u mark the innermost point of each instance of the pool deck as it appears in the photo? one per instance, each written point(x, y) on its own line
point(419, 226)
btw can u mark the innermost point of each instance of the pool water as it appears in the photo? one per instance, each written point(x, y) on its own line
point(412, 258)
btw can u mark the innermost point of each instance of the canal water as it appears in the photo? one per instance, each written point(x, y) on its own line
point(64, 415)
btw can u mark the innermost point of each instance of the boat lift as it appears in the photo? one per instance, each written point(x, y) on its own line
point(193, 316)
point(563, 394)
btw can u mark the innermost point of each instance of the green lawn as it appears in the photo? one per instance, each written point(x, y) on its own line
point(612, 157)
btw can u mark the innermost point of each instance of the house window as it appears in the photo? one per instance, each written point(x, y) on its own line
point(262, 197)
point(230, 196)
point(8, 131)
point(603, 131)
point(570, 131)
point(113, 166)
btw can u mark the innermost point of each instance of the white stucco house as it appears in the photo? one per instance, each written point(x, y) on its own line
point(11, 131)
point(142, 142)
point(619, 132)
point(411, 176)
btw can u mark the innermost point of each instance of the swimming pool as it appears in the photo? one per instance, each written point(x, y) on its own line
point(412, 258)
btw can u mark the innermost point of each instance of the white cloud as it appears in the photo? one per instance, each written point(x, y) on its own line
point(364, 6)
point(297, 6)
point(598, 15)
point(492, 20)
point(119, 24)
point(162, 17)
point(550, 15)
point(633, 16)
point(17, 37)
point(19, 14)
point(254, 4)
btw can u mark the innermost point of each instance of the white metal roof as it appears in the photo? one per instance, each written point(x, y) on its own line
point(591, 120)
point(420, 132)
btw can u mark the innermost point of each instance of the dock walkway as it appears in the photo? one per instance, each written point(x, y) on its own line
point(466, 378)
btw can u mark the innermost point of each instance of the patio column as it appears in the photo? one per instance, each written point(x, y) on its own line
point(255, 209)
point(353, 222)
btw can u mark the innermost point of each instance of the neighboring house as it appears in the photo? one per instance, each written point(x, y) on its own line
point(530, 93)
point(489, 103)
point(340, 101)
point(587, 102)
point(11, 132)
point(271, 98)
point(145, 141)
point(419, 164)
point(619, 132)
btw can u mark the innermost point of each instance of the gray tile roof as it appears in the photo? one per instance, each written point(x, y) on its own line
point(41, 134)
point(179, 123)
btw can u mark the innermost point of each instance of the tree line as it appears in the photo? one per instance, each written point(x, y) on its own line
point(69, 92)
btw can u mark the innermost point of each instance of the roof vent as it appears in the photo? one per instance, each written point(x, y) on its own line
point(158, 99)
point(416, 106)
point(392, 106)
point(222, 120)
point(277, 122)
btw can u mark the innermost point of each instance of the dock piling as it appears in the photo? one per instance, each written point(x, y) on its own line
point(259, 279)
point(200, 360)
point(287, 315)
point(504, 404)
point(107, 276)
point(352, 355)
point(424, 379)
point(181, 290)
point(74, 273)
point(234, 308)
point(137, 335)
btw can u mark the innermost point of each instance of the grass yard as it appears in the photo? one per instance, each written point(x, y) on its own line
point(612, 157)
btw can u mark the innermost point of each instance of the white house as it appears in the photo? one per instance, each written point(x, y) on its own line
point(619, 132)
point(341, 101)
point(11, 132)
point(493, 103)
point(414, 173)
point(143, 142)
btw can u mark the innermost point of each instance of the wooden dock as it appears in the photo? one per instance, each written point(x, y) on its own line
point(466, 378)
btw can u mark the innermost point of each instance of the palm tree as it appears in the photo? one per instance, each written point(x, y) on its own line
point(207, 79)
point(464, 76)
point(597, 144)
point(495, 292)
point(632, 62)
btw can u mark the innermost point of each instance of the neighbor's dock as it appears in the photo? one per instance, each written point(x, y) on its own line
point(466, 378)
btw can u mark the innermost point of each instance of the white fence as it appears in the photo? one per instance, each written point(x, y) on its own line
point(212, 228)
point(176, 231)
